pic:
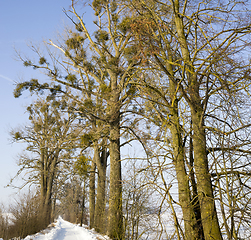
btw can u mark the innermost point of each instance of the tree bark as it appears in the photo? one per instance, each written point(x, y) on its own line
point(194, 195)
point(83, 204)
point(101, 191)
point(92, 190)
point(190, 221)
point(204, 186)
point(47, 179)
point(191, 224)
point(205, 193)
point(115, 216)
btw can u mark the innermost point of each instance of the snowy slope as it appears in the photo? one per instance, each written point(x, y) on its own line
point(63, 230)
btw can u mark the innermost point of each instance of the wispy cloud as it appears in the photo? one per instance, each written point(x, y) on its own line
point(6, 78)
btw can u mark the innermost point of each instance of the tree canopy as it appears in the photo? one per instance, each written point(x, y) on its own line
point(173, 75)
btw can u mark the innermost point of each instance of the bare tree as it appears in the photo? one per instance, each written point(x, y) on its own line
point(49, 137)
point(98, 73)
point(197, 48)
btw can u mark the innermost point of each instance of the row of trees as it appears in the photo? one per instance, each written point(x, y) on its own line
point(172, 75)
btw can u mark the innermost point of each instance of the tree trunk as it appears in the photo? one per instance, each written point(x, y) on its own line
point(205, 193)
point(54, 207)
point(92, 190)
point(204, 186)
point(50, 179)
point(115, 216)
point(190, 222)
point(44, 189)
point(101, 192)
point(191, 225)
point(83, 204)
point(194, 195)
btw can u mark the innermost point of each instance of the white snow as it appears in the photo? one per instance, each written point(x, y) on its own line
point(63, 230)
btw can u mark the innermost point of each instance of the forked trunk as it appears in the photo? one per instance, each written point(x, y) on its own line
point(190, 221)
point(209, 218)
point(205, 193)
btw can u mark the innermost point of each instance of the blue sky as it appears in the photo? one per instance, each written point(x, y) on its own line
point(21, 21)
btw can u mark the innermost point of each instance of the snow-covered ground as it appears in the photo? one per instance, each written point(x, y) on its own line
point(63, 230)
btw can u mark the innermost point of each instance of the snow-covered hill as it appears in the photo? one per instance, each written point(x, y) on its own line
point(63, 230)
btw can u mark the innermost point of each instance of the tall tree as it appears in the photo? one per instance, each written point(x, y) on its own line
point(197, 46)
point(96, 70)
point(50, 134)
